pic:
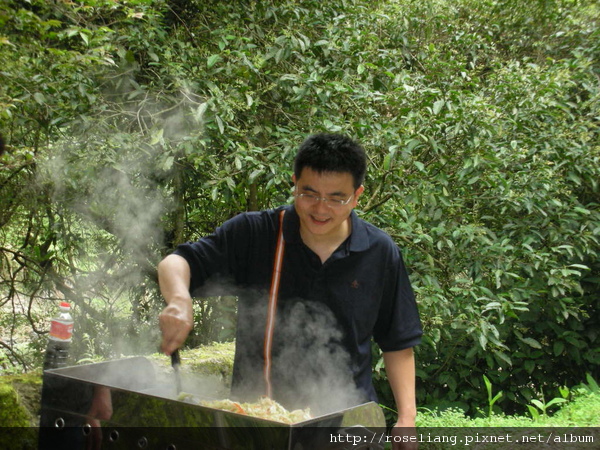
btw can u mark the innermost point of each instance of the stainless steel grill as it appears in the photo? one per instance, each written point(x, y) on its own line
point(122, 404)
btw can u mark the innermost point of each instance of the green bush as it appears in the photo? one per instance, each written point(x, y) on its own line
point(135, 125)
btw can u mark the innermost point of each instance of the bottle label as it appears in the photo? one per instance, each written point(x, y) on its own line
point(62, 331)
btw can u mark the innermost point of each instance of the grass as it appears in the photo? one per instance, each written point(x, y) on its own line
point(574, 426)
point(582, 410)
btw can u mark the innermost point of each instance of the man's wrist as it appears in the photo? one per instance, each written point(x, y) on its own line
point(406, 420)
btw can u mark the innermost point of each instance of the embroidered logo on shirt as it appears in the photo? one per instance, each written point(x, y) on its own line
point(354, 284)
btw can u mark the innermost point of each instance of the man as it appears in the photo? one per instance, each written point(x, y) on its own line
point(335, 282)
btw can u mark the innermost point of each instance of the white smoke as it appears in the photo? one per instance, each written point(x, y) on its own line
point(314, 362)
point(107, 181)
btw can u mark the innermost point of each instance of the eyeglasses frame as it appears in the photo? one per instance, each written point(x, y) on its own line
point(330, 202)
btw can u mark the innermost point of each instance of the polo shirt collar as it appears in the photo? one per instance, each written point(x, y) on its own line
point(359, 238)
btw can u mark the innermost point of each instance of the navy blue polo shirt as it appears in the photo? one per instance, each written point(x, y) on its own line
point(327, 313)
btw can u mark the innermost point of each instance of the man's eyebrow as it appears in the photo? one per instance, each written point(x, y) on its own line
point(309, 188)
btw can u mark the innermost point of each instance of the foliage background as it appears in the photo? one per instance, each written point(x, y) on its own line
point(133, 125)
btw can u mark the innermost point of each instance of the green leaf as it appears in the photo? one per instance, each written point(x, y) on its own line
point(437, 106)
point(503, 356)
point(157, 136)
point(538, 404)
point(212, 60)
point(39, 98)
point(579, 266)
point(535, 415)
point(592, 384)
point(220, 124)
point(529, 366)
point(199, 113)
point(412, 144)
point(496, 397)
point(482, 340)
point(558, 347)
point(555, 401)
point(488, 384)
point(532, 342)
point(168, 163)
point(255, 173)
point(386, 161)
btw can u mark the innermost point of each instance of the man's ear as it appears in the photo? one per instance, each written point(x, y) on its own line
point(357, 194)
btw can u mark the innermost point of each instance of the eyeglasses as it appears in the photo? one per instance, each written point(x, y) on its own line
point(331, 202)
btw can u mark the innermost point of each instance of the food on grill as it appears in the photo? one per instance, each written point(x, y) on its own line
point(265, 408)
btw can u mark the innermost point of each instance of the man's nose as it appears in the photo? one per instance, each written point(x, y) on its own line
point(322, 205)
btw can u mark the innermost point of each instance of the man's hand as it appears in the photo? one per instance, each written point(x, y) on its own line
point(404, 435)
point(176, 322)
point(177, 319)
point(100, 409)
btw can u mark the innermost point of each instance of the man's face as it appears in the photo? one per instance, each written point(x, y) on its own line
point(321, 218)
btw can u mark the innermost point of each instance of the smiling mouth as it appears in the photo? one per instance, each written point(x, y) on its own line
point(318, 221)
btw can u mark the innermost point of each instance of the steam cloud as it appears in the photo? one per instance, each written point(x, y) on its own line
point(313, 361)
point(109, 180)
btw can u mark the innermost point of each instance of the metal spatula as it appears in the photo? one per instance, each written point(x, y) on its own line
point(176, 363)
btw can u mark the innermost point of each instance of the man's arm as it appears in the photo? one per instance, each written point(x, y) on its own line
point(400, 369)
point(177, 319)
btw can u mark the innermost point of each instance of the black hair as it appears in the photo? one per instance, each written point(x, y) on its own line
point(327, 152)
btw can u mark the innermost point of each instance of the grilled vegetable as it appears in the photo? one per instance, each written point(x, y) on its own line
point(265, 408)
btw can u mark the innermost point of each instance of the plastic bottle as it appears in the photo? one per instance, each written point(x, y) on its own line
point(59, 341)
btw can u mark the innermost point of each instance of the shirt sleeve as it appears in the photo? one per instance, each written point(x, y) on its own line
point(217, 255)
point(398, 325)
